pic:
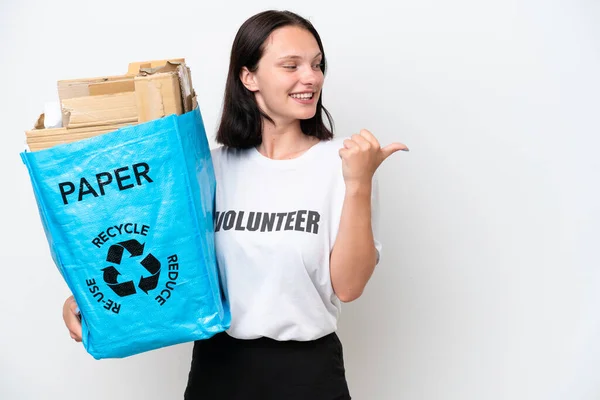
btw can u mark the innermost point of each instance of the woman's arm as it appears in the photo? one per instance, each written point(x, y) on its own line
point(354, 255)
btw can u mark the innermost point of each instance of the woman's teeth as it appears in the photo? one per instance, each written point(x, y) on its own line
point(303, 96)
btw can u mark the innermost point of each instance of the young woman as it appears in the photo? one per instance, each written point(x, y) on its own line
point(293, 226)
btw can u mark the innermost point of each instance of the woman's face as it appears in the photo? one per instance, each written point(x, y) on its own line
point(288, 81)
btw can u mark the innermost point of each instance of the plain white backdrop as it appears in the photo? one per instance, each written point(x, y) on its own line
point(488, 284)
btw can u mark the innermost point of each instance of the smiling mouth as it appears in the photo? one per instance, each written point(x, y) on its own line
point(302, 96)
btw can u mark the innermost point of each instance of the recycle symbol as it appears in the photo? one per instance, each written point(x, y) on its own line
point(135, 249)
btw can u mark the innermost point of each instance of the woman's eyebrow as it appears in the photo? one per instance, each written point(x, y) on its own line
point(294, 57)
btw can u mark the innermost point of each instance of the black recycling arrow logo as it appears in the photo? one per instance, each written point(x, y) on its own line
point(122, 289)
point(115, 252)
point(115, 256)
point(152, 265)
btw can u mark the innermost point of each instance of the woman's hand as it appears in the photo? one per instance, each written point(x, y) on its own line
point(71, 318)
point(362, 155)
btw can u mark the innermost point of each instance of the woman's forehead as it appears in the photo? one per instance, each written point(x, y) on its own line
point(291, 41)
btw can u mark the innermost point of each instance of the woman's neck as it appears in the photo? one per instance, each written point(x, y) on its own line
point(283, 142)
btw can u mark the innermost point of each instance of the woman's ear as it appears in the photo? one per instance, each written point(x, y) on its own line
point(248, 79)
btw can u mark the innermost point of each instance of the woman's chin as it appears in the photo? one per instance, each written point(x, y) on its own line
point(308, 114)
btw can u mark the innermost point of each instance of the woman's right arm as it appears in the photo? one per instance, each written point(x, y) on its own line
point(71, 318)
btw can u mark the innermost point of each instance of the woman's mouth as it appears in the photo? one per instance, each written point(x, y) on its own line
point(303, 98)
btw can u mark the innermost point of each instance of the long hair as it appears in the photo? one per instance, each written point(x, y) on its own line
point(242, 120)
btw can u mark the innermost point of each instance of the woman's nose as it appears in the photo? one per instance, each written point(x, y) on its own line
point(310, 76)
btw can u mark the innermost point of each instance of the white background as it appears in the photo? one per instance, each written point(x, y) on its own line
point(488, 284)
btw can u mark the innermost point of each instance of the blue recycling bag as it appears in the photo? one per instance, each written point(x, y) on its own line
point(129, 220)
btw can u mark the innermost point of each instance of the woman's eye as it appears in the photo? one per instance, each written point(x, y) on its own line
point(294, 67)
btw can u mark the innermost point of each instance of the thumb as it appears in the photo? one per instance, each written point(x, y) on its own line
point(392, 148)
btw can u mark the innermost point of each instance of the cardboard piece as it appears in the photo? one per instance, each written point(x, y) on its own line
point(163, 90)
point(157, 95)
point(40, 139)
point(112, 87)
point(107, 109)
point(134, 67)
point(72, 88)
point(187, 90)
point(51, 134)
point(185, 80)
point(39, 124)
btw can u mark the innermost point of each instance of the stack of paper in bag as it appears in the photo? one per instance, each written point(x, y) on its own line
point(93, 106)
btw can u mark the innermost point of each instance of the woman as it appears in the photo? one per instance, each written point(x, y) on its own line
point(293, 228)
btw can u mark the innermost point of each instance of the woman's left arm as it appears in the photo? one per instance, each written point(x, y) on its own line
point(354, 255)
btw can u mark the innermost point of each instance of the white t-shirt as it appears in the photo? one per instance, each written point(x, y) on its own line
point(275, 226)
